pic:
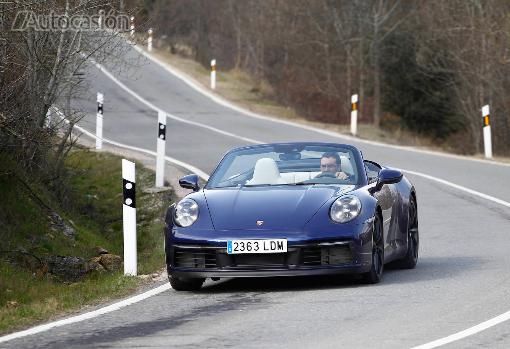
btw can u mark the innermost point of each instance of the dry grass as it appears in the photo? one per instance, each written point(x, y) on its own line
point(241, 89)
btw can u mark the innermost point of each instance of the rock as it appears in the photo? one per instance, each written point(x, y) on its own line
point(66, 268)
point(42, 271)
point(100, 250)
point(24, 259)
point(111, 262)
point(12, 304)
point(104, 262)
point(94, 264)
point(59, 224)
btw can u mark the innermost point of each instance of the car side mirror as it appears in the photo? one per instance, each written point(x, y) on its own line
point(190, 182)
point(388, 176)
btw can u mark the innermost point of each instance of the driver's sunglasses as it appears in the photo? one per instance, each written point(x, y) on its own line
point(332, 167)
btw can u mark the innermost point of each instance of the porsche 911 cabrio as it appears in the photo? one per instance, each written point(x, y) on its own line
point(292, 209)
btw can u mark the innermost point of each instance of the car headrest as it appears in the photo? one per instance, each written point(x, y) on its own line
point(266, 172)
point(346, 165)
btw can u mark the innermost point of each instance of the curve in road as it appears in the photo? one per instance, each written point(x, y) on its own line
point(461, 279)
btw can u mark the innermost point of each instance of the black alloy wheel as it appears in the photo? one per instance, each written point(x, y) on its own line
point(413, 238)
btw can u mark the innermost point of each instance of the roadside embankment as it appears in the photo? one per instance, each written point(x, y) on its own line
point(61, 248)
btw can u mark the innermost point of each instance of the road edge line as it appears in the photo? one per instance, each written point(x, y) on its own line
point(85, 316)
point(169, 115)
point(466, 333)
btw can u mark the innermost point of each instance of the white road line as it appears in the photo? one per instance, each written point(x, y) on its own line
point(169, 115)
point(180, 163)
point(116, 306)
point(86, 316)
point(466, 333)
point(461, 188)
point(219, 100)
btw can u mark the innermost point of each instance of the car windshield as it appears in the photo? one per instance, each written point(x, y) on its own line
point(287, 164)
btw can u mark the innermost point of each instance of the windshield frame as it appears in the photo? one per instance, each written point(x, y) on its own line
point(362, 179)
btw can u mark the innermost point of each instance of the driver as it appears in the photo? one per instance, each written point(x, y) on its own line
point(330, 164)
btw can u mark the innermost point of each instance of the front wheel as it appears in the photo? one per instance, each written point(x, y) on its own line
point(185, 284)
point(374, 276)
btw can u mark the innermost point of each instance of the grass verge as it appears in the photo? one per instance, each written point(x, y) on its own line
point(91, 205)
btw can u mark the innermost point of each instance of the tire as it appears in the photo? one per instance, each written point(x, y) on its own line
point(185, 284)
point(374, 276)
point(413, 238)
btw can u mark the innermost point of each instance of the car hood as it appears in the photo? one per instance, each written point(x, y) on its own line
point(283, 208)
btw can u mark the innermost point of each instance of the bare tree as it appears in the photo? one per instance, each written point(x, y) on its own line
point(44, 67)
point(315, 54)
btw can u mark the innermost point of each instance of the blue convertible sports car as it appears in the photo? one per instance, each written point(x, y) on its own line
point(292, 209)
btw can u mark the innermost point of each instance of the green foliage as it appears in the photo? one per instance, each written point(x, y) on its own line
point(417, 86)
point(91, 204)
point(39, 299)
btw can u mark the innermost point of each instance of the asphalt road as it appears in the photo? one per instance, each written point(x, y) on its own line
point(462, 278)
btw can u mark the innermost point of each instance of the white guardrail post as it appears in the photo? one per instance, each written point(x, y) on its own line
point(132, 26)
point(129, 217)
point(99, 121)
point(160, 158)
point(213, 74)
point(149, 41)
point(487, 137)
point(354, 115)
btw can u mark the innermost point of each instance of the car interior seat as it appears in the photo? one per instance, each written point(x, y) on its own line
point(266, 172)
point(346, 165)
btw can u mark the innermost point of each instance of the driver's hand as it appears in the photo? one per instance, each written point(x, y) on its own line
point(341, 175)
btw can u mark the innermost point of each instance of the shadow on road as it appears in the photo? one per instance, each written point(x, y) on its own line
point(281, 284)
point(428, 269)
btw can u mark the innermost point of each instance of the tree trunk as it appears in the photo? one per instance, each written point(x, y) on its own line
point(377, 76)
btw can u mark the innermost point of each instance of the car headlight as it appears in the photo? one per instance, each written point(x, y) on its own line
point(345, 209)
point(186, 212)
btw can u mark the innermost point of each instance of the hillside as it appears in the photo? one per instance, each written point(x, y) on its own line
point(50, 243)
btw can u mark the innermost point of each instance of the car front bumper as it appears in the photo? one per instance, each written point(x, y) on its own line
point(320, 258)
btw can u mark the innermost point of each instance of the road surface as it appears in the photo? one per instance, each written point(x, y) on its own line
point(461, 280)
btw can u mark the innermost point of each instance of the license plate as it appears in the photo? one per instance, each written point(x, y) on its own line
point(256, 246)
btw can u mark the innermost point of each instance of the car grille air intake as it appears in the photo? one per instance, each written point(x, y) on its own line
point(194, 258)
point(326, 255)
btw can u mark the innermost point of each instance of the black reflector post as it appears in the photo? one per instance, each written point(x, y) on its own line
point(160, 158)
point(487, 137)
point(99, 121)
point(129, 217)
